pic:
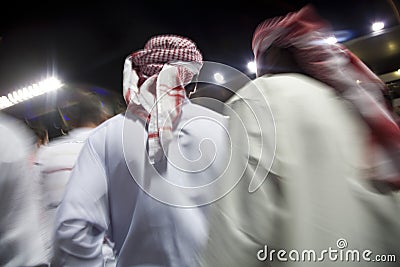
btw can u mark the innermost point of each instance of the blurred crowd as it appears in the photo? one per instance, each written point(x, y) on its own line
point(304, 159)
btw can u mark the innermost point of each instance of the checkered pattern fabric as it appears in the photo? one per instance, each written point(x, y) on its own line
point(153, 83)
point(163, 49)
point(305, 33)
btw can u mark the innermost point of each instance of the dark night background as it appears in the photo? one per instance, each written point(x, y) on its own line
point(88, 41)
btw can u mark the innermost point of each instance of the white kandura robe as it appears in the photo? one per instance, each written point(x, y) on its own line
point(21, 242)
point(54, 163)
point(103, 197)
point(316, 192)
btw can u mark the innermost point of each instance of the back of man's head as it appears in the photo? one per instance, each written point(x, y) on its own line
point(88, 111)
point(277, 60)
point(157, 74)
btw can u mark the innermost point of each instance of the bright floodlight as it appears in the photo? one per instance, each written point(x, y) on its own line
point(331, 40)
point(377, 26)
point(51, 84)
point(252, 67)
point(29, 92)
point(219, 78)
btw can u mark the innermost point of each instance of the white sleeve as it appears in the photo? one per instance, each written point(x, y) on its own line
point(83, 216)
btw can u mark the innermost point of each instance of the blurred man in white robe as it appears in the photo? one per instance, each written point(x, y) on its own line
point(141, 176)
point(21, 241)
point(314, 191)
point(55, 161)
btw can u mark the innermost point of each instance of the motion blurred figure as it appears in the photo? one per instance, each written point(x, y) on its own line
point(322, 149)
point(20, 241)
point(42, 136)
point(132, 180)
point(396, 106)
point(55, 161)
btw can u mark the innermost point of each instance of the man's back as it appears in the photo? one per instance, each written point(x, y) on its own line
point(55, 162)
point(118, 188)
point(53, 165)
point(314, 147)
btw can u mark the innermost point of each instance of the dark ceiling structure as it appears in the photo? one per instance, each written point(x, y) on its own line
point(380, 51)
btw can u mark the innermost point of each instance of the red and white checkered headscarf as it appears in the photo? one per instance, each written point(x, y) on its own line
point(153, 82)
point(305, 34)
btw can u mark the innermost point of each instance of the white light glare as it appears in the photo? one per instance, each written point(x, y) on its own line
point(377, 26)
point(51, 84)
point(252, 67)
point(31, 91)
point(331, 40)
point(4, 102)
point(219, 78)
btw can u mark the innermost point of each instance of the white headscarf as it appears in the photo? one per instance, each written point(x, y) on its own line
point(154, 82)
